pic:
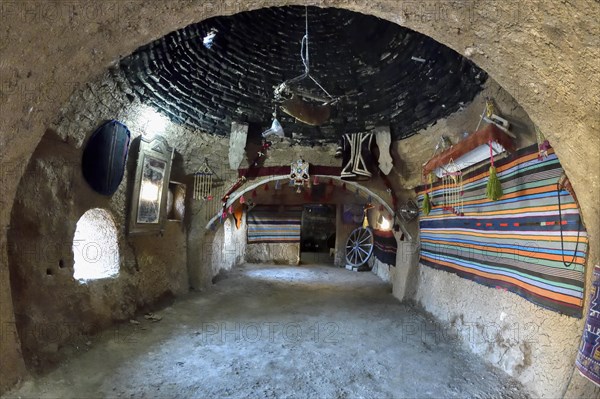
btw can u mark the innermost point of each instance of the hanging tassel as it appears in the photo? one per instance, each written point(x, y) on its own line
point(267, 187)
point(426, 204)
point(254, 194)
point(365, 223)
point(426, 200)
point(494, 187)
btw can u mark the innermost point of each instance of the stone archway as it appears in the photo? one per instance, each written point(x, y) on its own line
point(543, 54)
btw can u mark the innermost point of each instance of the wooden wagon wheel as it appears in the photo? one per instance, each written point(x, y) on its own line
point(359, 246)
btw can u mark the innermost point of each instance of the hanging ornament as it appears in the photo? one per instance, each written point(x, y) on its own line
point(494, 187)
point(426, 200)
point(277, 184)
point(365, 223)
point(203, 182)
point(254, 193)
point(426, 204)
point(381, 208)
point(299, 175)
point(453, 189)
point(543, 144)
point(230, 209)
point(315, 181)
point(242, 199)
point(267, 187)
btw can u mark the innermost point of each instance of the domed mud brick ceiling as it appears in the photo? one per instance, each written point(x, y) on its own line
point(365, 60)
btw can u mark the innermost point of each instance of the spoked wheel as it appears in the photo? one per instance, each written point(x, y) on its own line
point(359, 246)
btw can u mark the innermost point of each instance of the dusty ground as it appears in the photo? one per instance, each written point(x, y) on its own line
point(278, 332)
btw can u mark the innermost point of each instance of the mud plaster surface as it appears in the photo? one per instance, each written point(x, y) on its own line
point(270, 331)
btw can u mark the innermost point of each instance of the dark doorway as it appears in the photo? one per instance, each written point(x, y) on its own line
point(317, 239)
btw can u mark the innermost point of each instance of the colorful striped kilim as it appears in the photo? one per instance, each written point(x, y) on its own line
point(588, 358)
point(272, 224)
point(513, 243)
point(385, 246)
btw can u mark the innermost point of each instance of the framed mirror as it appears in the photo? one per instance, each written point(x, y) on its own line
point(151, 186)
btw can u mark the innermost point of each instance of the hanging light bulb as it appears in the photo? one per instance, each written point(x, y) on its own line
point(276, 128)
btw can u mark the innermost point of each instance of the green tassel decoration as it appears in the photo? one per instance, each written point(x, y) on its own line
point(494, 188)
point(426, 204)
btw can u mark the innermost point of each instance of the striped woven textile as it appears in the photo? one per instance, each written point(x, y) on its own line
point(514, 243)
point(385, 246)
point(588, 357)
point(272, 224)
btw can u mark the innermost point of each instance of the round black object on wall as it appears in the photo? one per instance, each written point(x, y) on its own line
point(104, 157)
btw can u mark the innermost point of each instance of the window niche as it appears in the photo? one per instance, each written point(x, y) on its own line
point(95, 247)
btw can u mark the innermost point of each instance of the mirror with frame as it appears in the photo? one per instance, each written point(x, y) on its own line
point(150, 191)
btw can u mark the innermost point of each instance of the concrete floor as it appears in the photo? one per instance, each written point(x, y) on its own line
point(278, 332)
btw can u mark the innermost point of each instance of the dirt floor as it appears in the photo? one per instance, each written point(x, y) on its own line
point(268, 331)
